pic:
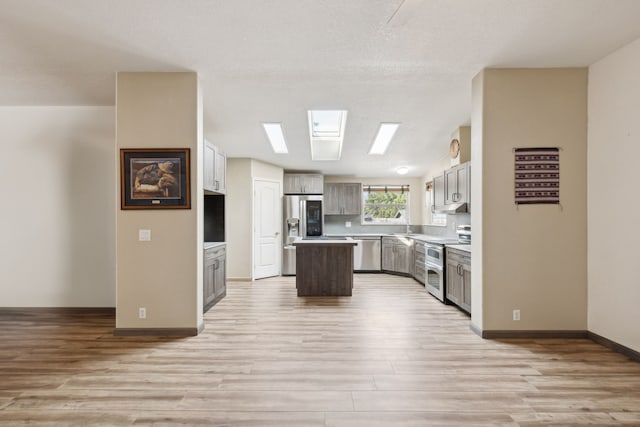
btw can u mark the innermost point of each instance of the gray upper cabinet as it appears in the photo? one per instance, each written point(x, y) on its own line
point(303, 183)
point(343, 199)
point(215, 169)
point(438, 192)
point(452, 187)
point(456, 184)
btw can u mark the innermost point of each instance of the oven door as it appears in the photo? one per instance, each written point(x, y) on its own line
point(434, 280)
point(434, 254)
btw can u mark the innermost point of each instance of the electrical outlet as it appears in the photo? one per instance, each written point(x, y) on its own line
point(516, 314)
point(144, 235)
point(142, 313)
point(347, 224)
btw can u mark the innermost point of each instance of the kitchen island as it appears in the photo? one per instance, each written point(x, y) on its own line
point(324, 266)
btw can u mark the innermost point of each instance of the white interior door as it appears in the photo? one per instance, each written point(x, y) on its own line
point(267, 220)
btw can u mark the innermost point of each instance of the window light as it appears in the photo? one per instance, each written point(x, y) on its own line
point(276, 137)
point(326, 132)
point(383, 138)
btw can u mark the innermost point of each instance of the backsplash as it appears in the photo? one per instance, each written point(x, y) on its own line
point(335, 224)
point(449, 230)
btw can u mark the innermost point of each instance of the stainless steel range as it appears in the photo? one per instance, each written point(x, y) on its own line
point(435, 280)
point(434, 269)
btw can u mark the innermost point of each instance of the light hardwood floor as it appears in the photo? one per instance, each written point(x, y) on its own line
point(390, 355)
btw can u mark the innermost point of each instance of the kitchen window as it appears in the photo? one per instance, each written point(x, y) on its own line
point(385, 204)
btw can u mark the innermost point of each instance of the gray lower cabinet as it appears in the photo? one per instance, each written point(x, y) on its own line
point(418, 270)
point(458, 274)
point(342, 198)
point(397, 255)
point(215, 280)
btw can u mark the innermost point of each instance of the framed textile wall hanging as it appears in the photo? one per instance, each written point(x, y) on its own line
point(537, 176)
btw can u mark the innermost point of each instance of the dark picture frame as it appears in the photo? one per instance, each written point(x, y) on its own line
point(155, 178)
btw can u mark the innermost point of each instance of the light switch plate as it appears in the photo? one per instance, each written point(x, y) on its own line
point(144, 235)
point(347, 224)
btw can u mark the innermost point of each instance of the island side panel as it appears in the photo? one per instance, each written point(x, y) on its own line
point(324, 270)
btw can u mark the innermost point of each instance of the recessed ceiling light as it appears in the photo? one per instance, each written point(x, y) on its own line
point(402, 170)
point(383, 138)
point(326, 133)
point(276, 137)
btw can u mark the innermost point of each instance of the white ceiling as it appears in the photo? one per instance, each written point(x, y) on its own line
point(272, 60)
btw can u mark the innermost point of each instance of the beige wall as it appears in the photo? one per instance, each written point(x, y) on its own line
point(56, 221)
point(614, 148)
point(239, 208)
point(241, 173)
point(477, 202)
point(533, 257)
point(160, 110)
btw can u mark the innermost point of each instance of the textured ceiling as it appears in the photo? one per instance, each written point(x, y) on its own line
point(272, 60)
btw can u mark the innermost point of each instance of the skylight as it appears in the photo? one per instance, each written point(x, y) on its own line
point(326, 132)
point(276, 137)
point(326, 123)
point(383, 138)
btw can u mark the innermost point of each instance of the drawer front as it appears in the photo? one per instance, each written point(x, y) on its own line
point(419, 273)
point(458, 256)
point(214, 253)
point(419, 258)
point(390, 241)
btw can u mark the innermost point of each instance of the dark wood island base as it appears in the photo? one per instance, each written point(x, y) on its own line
point(324, 267)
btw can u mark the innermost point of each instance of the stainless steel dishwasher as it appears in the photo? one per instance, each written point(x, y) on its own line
point(366, 255)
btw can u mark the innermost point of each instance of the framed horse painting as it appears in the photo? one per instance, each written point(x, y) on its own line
point(154, 179)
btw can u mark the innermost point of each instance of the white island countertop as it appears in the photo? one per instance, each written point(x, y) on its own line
point(325, 241)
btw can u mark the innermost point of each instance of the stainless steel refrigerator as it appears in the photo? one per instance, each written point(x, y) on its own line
point(302, 218)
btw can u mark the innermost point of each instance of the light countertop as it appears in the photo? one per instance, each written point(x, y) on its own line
point(210, 245)
point(325, 241)
point(466, 248)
